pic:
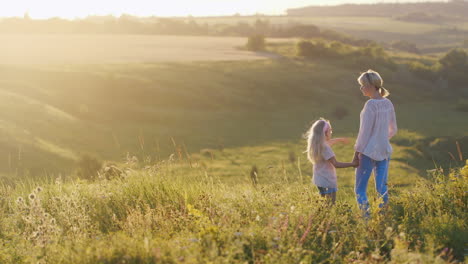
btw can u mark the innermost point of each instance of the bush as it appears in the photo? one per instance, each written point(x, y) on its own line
point(314, 49)
point(256, 43)
point(454, 68)
point(88, 167)
point(423, 71)
point(304, 48)
point(405, 46)
point(454, 59)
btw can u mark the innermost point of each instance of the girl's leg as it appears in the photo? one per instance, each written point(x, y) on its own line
point(363, 173)
point(328, 193)
point(331, 197)
point(381, 177)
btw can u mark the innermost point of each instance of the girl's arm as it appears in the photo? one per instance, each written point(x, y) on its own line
point(333, 141)
point(338, 164)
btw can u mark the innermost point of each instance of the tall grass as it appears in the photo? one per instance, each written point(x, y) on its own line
point(173, 211)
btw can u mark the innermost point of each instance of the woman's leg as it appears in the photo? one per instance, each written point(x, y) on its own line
point(363, 173)
point(381, 180)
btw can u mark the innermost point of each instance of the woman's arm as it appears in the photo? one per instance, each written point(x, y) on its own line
point(338, 164)
point(365, 127)
point(392, 126)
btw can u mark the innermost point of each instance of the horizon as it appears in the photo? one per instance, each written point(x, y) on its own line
point(179, 8)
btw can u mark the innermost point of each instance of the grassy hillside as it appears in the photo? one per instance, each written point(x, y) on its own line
point(54, 114)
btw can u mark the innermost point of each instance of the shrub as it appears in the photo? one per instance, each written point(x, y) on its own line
point(424, 72)
point(304, 48)
point(256, 43)
point(405, 46)
point(314, 49)
point(88, 167)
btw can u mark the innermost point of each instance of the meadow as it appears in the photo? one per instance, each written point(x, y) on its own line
point(202, 161)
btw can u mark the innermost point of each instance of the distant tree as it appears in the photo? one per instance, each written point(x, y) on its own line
point(303, 31)
point(256, 43)
point(454, 68)
point(454, 59)
point(405, 46)
point(262, 26)
point(314, 49)
point(424, 72)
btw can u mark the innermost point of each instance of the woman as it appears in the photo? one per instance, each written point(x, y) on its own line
point(373, 149)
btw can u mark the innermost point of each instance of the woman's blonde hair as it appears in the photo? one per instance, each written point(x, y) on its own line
point(316, 140)
point(373, 78)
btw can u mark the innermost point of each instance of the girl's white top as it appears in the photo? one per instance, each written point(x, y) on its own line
point(324, 171)
point(378, 125)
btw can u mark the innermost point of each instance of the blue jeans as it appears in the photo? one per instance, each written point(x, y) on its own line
point(363, 172)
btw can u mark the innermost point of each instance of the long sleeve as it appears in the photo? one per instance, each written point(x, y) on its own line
point(392, 126)
point(365, 127)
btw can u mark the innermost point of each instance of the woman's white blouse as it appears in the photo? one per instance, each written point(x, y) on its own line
point(378, 125)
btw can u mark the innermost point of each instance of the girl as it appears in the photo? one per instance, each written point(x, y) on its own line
point(323, 159)
point(373, 149)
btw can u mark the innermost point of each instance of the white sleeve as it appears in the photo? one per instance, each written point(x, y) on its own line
point(365, 128)
point(327, 152)
point(392, 126)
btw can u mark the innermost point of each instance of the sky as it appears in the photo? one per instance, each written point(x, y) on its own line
point(71, 9)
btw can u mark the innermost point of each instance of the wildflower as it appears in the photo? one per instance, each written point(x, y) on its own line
point(388, 232)
point(293, 208)
point(258, 218)
point(20, 200)
point(32, 196)
point(52, 221)
point(38, 189)
point(402, 235)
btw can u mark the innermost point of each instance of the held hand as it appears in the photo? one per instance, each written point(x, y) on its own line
point(355, 161)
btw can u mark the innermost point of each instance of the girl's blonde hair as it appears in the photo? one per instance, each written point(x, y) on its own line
point(316, 140)
point(373, 78)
